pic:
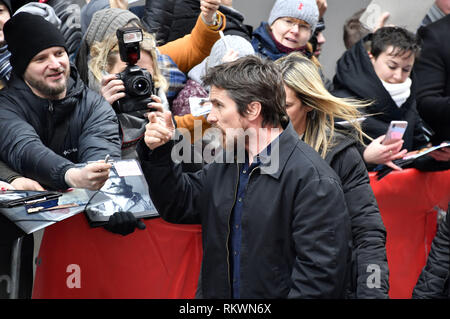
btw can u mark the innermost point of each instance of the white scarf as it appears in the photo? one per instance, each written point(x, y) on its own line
point(399, 92)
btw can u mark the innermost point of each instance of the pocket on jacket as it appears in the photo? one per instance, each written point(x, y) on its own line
point(281, 283)
point(324, 248)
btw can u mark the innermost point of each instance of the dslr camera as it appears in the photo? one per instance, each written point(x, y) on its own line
point(138, 81)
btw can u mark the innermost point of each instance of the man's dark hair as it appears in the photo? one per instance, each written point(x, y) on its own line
point(248, 79)
point(354, 30)
point(401, 39)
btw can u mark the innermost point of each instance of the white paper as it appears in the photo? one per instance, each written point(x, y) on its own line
point(127, 168)
point(199, 106)
point(407, 14)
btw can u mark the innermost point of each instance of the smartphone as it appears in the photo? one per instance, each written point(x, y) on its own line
point(395, 131)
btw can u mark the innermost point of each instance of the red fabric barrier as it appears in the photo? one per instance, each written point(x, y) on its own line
point(406, 200)
point(162, 261)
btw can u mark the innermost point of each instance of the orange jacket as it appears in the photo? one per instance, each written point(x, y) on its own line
point(193, 48)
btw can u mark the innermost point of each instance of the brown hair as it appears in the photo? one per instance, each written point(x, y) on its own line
point(252, 78)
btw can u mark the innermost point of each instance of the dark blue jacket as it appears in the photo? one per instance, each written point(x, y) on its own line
point(296, 240)
point(263, 43)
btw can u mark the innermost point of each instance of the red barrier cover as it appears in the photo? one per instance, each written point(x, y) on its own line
point(162, 261)
point(406, 200)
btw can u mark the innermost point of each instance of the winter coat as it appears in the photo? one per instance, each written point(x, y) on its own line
point(191, 49)
point(355, 77)
point(28, 124)
point(368, 231)
point(433, 282)
point(433, 77)
point(295, 225)
point(264, 44)
point(173, 19)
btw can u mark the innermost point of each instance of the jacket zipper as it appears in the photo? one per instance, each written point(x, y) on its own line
point(50, 122)
point(228, 235)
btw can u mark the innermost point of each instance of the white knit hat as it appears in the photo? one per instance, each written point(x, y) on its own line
point(305, 10)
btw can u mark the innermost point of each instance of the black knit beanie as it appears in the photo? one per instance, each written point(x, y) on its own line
point(7, 3)
point(26, 35)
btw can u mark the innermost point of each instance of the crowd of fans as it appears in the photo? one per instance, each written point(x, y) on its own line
point(66, 99)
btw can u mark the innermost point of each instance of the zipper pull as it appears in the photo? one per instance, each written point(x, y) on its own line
point(50, 106)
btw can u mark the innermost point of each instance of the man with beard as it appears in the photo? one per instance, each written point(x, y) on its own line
point(274, 223)
point(49, 120)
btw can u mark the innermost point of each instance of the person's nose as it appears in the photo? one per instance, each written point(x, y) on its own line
point(295, 28)
point(211, 118)
point(54, 62)
point(321, 38)
point(398, 75)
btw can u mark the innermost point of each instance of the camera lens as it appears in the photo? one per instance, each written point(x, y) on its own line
point(141, 86)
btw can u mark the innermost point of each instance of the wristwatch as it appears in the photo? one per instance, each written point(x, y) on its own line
point(215, 22)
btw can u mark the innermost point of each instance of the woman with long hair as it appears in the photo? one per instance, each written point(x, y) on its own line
point(313, 112)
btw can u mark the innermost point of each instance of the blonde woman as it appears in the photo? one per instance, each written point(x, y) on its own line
point(313, 111)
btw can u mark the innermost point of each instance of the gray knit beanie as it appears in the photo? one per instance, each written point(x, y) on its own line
point(103, 23)
point(220, 48)
point(106, 22)
point(305, 10)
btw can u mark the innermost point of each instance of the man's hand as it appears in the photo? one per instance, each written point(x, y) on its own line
point(159, 130)
point(93, 176)
point(26, 184)
point(441, 155)
point(209, 8)
point(112, 88)
point(322, 5)
point(124, 223)
point(381, 23)
point(121, 4)
point(378, 153)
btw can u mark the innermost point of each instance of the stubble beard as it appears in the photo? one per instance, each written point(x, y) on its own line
point(45, 90)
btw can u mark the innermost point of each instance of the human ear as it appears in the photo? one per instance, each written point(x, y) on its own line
point(253, 110)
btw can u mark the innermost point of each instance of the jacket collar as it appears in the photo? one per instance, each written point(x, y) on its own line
point(281, 150)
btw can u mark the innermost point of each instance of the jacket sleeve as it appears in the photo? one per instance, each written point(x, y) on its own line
point(173, 192)
point(7, 174)
point(432, 77)
point(25, 153)
point(321, 232)
point(371, 272)
point(433, 282)
point(100, 133)
point(193, 48)
point(157, 18)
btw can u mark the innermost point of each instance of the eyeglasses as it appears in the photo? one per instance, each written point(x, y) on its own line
point(288, 22)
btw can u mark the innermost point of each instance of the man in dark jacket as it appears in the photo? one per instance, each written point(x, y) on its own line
point(274, 222)
point(48, 118)
point(433, 78)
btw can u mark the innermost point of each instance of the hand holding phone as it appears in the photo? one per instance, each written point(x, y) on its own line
point(395, 132)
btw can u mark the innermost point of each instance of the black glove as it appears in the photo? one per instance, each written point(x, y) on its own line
point(123, 223)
